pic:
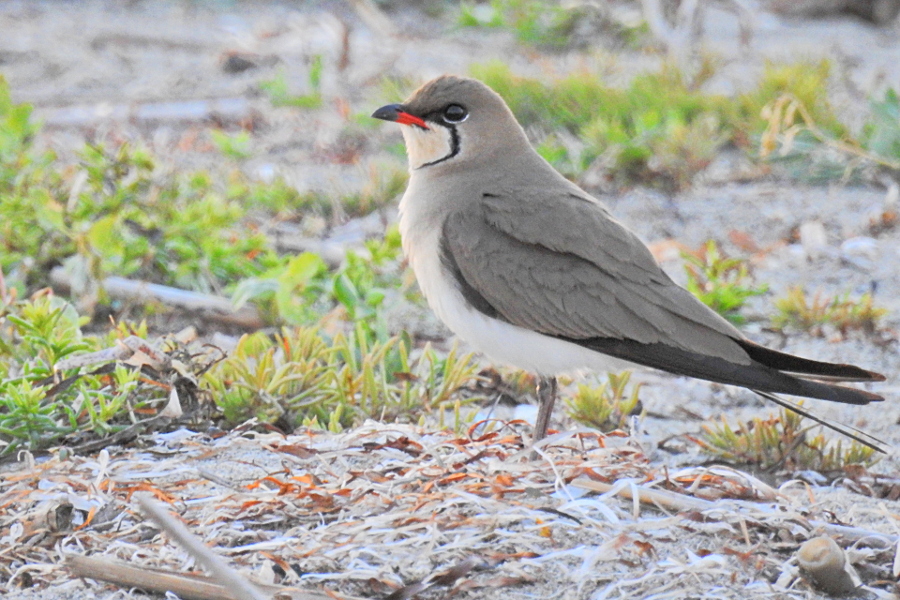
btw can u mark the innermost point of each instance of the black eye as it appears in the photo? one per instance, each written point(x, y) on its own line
point(454, 113)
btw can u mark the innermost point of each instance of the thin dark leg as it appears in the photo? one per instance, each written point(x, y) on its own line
point(546, 393)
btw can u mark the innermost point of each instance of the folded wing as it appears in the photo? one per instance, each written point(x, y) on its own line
point(604, 291)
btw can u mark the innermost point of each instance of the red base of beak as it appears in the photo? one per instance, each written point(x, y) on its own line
point(408, 119)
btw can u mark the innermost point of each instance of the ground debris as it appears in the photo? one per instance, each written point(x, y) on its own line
point(407, 513)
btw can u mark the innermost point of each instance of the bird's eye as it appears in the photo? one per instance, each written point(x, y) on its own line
point(454, 113)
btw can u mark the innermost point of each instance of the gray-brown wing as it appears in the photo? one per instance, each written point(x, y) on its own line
point(569, 221)
point(571, 271)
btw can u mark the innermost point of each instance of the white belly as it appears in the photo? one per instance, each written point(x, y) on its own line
point(500, 341)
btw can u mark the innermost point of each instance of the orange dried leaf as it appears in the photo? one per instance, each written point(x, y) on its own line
point(454, 477)
point(504, 479)
point(295, 450)
point(88, 519)
point(645, 548)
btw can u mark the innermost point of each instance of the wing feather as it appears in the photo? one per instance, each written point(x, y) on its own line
point(580, 291)
point(581, 225)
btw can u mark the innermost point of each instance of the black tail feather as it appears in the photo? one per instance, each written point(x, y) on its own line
point(756, 375)
point(796, 365)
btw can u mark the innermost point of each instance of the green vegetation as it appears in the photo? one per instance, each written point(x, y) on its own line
point(803, 133)
point(798, 311)
point(279, 90)
point(552, 25)
point(235, 146)
point(117, 212)
point(805, 82)
point(384, 185)
point(882, 134)
point(35, 407)
point(606, 407)
point(782, 442)
point(115, 216)
point(539, 23)
point(302, 289)
point(300, 377)
point(661, 129)
point(722, 283)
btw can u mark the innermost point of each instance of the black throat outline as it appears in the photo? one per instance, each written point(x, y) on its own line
point(454, 147)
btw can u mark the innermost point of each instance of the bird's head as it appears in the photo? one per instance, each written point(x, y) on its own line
point(453, 121)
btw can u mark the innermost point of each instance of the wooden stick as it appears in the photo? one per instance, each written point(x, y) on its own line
point(224, 584)
point(374, 17)
point(215, 308)
point(189, 587)
point(87, 115)
point(239, 588)
point(119, 573)
point(650, 496)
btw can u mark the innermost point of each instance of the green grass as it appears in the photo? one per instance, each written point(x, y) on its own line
point(542, 24)
point(236, 146)
point(35, 335)
point(661, 129)
point(658, 130)
point(114, 213)
point(384, 185)
point(807, 82)
point(302, 289)
point(796, 310)
point(117, 211)
point(804, 135)
point(301, 376)
point(279, 91)
point(882, 133)
point(606, 407)
point(722, 283)
point(782, 442)
point(551, 26)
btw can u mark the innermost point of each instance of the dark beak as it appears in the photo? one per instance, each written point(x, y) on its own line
point(388, 113)
point(397, 114)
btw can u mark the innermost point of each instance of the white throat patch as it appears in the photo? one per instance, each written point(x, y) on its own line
point(425, 146)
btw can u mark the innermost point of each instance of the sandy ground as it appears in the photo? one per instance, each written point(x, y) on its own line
point(79, 62)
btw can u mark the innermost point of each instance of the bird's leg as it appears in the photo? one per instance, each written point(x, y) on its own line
point(546, 393)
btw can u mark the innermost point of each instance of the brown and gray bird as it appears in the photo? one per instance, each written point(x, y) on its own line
point(534, 272)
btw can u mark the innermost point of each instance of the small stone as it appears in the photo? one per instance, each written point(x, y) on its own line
point(813, 238)
point(233, 63)
point(861, 247)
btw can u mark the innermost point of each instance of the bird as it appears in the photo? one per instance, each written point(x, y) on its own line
point(536, 273)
